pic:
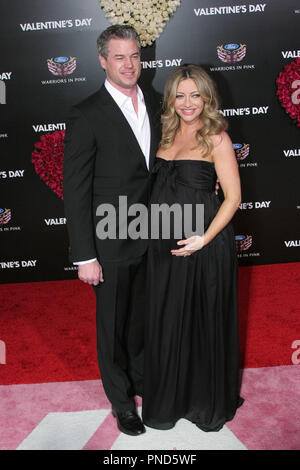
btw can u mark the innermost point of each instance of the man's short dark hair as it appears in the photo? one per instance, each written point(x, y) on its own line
point(118, 31)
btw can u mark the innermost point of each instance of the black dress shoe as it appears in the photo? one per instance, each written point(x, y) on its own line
point(129, 422)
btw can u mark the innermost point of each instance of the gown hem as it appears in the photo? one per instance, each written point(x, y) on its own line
point(218, 427)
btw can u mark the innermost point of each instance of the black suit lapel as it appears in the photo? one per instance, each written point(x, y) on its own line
point(115, 115)
point(154, 138)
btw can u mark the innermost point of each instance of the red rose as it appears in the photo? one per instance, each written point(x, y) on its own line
point(288, 89)
point(47, 159)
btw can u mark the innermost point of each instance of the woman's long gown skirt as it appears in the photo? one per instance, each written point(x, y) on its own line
point(191, 367)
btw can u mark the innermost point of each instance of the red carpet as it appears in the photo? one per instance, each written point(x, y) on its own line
point(49, 328)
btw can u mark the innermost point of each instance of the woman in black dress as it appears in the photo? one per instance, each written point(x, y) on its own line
point(191, 336)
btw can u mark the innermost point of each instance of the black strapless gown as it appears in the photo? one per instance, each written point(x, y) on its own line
point(191, 367)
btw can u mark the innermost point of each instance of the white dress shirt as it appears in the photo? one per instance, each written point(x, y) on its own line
point(139, 123)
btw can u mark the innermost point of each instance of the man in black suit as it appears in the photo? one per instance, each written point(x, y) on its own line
point(110, 146)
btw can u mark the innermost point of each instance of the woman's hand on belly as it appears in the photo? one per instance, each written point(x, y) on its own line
point(191, 245)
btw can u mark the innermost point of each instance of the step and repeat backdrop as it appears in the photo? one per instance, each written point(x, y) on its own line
point(49, 61)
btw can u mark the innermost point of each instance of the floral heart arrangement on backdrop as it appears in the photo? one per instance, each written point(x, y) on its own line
point(288, 89)
point(47, 159)
point(147, 17)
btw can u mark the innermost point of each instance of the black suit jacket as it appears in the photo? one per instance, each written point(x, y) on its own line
point(102, 161)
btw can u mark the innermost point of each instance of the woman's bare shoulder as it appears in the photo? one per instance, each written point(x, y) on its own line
point(220, 139)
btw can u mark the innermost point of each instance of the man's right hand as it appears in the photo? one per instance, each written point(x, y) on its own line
point(91, 273)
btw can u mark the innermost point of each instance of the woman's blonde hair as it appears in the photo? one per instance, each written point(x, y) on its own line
point(212, 119)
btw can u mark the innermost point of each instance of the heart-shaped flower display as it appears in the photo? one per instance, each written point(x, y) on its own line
point(147, 17)
point(47, 159)
point(288, 89)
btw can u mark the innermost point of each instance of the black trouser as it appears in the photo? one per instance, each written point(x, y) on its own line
point(120, 323)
